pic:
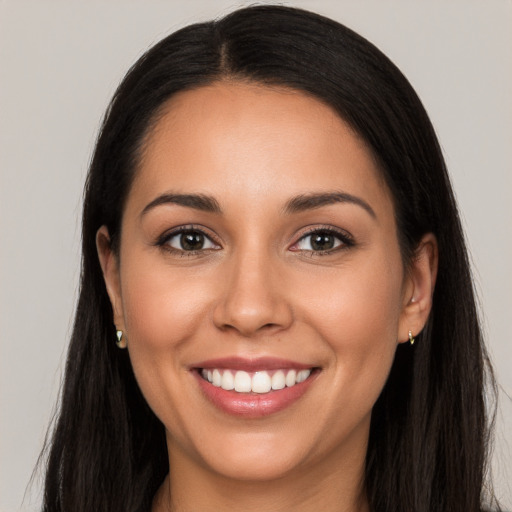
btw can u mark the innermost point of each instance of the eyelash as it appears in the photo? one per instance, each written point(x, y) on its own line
point(343, 237)
point(163, 241)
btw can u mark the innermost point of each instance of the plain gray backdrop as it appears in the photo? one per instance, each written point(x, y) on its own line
point(59, 65)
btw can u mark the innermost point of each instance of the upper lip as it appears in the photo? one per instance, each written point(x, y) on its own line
point(251, 364)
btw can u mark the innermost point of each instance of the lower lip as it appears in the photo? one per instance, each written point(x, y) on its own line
point(253, 405)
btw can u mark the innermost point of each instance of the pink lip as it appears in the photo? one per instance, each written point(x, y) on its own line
point(251, 365)
point(252, 405)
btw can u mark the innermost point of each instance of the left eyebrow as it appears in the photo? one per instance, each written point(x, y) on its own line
point(306, 202)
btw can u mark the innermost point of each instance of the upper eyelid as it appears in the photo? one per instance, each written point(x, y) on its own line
point(304, 232)
point(329, 229)
point(346, 238)
point(170, 233)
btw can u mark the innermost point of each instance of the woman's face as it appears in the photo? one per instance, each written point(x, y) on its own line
point(258, 249)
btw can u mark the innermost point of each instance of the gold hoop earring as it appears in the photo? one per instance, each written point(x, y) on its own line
point(411, 338)
point(121, 343)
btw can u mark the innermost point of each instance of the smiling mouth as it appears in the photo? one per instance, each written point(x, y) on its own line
point(259, 382)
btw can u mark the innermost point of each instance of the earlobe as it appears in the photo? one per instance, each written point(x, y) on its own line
point(419, 288)
point(110, 267)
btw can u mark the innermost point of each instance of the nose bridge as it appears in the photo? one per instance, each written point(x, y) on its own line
point(252, 299)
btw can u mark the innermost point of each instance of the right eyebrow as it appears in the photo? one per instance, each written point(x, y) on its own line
point(197, 201)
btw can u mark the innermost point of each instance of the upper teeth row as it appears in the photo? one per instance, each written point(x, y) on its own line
point(259, 382)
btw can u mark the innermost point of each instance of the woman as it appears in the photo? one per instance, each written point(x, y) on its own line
point(270, 235)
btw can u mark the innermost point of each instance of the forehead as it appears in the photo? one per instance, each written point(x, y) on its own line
point(237, 140)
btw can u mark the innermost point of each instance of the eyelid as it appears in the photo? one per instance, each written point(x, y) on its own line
point(164, 238)
point(346, 238)
point(343, 236)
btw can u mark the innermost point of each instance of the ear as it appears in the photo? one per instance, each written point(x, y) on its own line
point(110, 266)
point(419, 288)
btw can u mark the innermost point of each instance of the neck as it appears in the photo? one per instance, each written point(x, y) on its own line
point(328, 485)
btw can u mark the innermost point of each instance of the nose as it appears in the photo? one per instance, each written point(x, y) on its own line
point(253, 300)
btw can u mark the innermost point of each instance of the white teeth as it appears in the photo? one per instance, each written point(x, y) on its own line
point(242, 382)
point(228, 382)
point(216, 378)
point(303, 375)
point(259, 382)
point(278, 380)
point(291, 378)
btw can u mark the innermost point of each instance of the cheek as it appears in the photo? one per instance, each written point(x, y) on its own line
point(160, 308)
point(356, 314)
point(163, 310)
point(360, 304)
point(161, 313)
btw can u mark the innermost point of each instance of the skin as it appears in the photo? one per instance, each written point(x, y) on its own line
point(259, 290)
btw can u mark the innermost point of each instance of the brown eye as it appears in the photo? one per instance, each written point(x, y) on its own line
point(322, 240)
point(190, 240)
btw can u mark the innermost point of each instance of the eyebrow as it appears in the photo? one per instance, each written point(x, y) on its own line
point(296, 204)
point(306, 202)
point(197, 201)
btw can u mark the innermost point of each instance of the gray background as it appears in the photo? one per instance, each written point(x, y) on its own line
point(60, 63)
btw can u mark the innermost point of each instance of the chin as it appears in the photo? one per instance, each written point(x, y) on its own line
point(258, 465)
